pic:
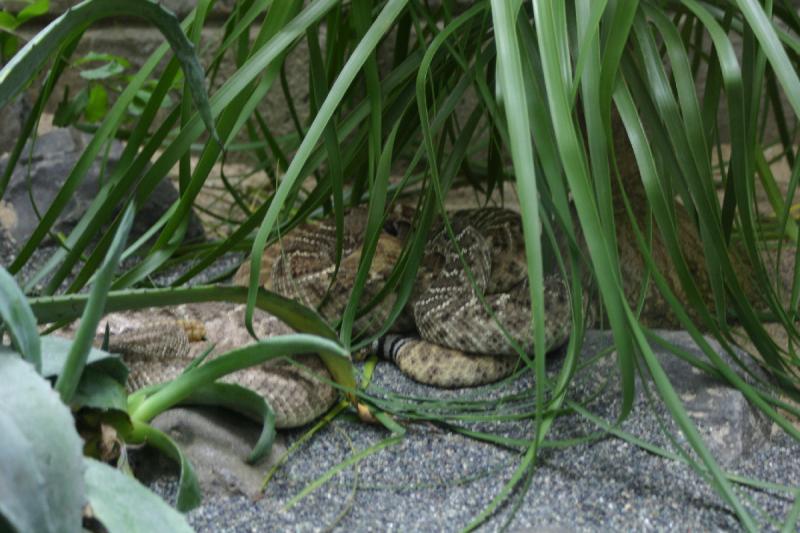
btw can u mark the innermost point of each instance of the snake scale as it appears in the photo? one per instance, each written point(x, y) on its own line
point(453, 340)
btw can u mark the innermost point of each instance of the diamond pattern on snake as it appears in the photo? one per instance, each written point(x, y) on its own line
point(453, 342)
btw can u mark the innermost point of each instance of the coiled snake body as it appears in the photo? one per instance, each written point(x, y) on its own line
point(455, 342)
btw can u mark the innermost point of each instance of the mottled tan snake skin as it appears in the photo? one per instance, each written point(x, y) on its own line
point(459, 344)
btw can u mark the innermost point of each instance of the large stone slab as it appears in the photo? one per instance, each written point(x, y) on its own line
point(217, 443)
point(732, 429)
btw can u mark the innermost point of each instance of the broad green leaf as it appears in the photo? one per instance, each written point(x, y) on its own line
point(7, 21)
point(41, 486)
point(10, 44)
point(122, 504)
point(98, 390)
point(54, 355)
point(103, 72)
point(34, 9)
point(23, 498)
point(97, 106)
point(108, 58)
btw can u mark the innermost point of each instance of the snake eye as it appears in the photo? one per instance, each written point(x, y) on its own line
point(399, 221)
point(397, 228)
point(389, 227)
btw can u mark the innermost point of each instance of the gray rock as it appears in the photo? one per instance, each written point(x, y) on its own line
point(14, 115)
point(729, 425)
point(55, 154)
point(217, 443)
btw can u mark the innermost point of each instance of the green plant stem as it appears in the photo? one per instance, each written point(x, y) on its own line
point(251, 355)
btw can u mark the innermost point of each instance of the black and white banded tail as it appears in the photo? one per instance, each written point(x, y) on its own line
point(388, 347)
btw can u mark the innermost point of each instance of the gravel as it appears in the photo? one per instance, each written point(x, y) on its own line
point(435, 479)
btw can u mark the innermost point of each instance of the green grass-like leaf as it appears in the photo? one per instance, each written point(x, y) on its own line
point(18, 320)
point(68, 380)
point(259, 352)
point(189, 495)
point(246, 402)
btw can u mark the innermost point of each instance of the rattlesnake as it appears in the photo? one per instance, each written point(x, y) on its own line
point(458, 343)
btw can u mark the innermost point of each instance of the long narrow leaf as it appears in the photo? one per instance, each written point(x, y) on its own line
point(17, 318)
point(67, 382)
